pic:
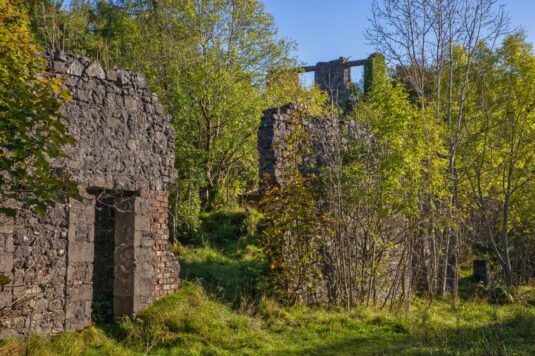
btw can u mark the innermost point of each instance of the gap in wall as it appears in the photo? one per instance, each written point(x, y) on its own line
point(103, 261)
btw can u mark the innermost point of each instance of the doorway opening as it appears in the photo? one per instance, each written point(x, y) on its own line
point(114, 254)
point(103, 260)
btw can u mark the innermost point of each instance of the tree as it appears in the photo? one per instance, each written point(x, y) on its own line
point(376, 187)
point(500, 157)
point(434, 44)
point(207, 60)
point(62, 28)
point(31, 132)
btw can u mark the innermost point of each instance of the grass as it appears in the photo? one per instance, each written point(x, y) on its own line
point(218, 311)
point(191, 323)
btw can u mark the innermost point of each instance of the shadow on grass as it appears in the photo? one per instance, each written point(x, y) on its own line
point(225, 279)
point(512, 336)
point(225, 257)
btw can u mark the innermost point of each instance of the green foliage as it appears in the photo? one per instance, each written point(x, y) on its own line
point(283, 87)
point(399, 162)
point(208, 61)
point(101, 308)
point(65, 26)
point(223, 226)
point(498, 157)
point(382, 190)
point(31, 132)
point(228, 262)
point(204, 318)
point(374, 72)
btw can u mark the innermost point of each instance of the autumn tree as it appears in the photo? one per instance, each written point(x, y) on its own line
point(31, 132)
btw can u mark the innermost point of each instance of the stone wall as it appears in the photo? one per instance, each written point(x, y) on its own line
point(33, 254)
point(328, 138)
point(124, 157)
point(327, 135)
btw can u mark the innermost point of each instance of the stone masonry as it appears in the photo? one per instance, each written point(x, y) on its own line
point(327, 138)
point(327, 134)
point(115, 236)
point(334, 77)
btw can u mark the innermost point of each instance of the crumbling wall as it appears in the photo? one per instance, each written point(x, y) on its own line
point(274, 128)
point(124, 151)
point(327, 135)
point(124, 140)
point(328, 138)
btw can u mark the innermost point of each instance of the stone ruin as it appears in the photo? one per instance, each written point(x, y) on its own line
point(334, 77)
point(327, 137)
point(107, 250)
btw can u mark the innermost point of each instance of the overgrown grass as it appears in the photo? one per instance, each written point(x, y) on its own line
point(226, 259)
point(212, 315)
point(190, 322)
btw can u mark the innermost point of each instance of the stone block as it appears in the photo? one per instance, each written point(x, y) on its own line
point(78, 315)
point(75, 68)
point(142, 222)
point(111, 75)
point(80, 293)
point(139, 81)
point(59, 66)
point(79, 273)
point(95, 70)
point(80, 251)
point(123, 77)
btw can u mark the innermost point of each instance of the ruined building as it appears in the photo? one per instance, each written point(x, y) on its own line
point(327, 138)
point(334, 77)
point(107, 250)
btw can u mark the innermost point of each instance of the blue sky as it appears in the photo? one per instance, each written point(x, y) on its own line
point(328, 29)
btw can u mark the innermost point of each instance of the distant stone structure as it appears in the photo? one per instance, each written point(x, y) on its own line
point(107, 250)
point(335, 77)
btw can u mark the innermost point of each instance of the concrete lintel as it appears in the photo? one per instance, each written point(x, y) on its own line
point(348, 64)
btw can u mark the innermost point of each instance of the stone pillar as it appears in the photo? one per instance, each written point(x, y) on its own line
point(80, 255)
point(144, 269)
point(334, 77)
point(145, 259)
